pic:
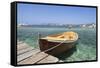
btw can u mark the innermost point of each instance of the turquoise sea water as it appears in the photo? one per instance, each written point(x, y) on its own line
point(85, 48)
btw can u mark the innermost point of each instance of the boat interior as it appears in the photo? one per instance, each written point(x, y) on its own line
point(68, 36)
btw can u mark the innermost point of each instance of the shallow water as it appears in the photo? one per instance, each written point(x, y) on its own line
point(85, 48)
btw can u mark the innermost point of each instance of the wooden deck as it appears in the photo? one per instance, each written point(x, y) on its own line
point(28, 55)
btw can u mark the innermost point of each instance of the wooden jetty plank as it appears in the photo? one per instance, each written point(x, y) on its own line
point(19, 42)
point(49, 59)
point(27, 54)
point(24, 50)
point(35, 58)
point(22, 46)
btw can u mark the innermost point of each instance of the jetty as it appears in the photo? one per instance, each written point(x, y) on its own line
point(29, 55)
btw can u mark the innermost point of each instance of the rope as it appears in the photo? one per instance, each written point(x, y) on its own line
point(54, 47)
point(51, 47)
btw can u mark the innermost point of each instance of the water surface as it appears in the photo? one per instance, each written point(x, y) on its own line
point(85, 48)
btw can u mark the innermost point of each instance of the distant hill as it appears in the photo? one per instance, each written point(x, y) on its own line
point(92, 25)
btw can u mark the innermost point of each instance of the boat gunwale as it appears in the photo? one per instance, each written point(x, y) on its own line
point(67, 41)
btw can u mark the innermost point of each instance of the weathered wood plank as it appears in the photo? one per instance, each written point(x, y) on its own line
point(27, 54)
point(49, 59)
point(22, 46)
point(19, 52)
point(35, 58)
point(19, 42)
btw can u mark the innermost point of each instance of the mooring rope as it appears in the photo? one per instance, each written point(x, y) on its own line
point(54, 46)
point(51, 47)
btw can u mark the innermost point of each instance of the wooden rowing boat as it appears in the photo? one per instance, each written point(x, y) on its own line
point(64, 41)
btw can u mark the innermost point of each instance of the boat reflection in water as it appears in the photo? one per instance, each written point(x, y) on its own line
point(58, 43)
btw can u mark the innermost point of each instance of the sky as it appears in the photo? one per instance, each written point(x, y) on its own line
point(44, 14)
